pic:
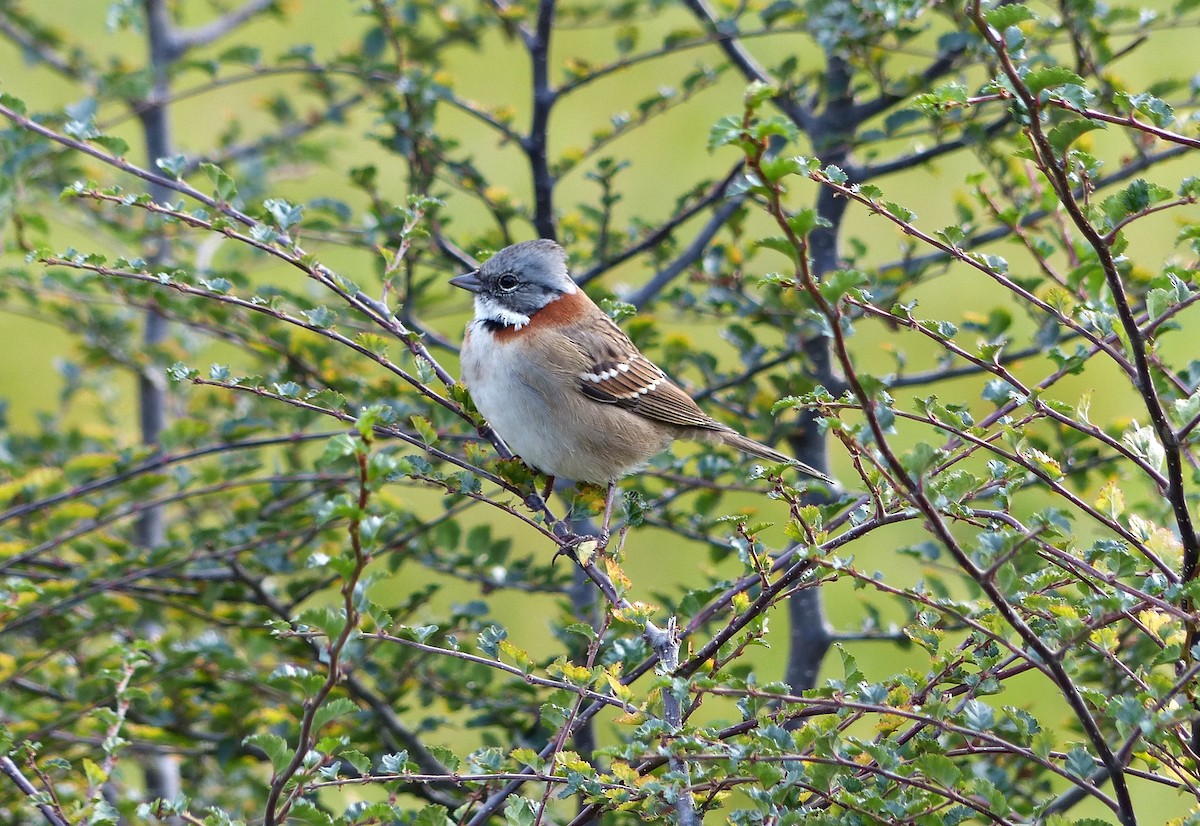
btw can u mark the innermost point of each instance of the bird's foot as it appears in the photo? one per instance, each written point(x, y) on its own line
point(582, 548)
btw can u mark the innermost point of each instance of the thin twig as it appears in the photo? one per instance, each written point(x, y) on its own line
point(13, 772)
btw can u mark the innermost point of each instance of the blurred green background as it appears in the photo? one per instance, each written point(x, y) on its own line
point(663, 156)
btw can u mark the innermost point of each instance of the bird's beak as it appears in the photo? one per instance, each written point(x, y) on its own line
point(469, 282)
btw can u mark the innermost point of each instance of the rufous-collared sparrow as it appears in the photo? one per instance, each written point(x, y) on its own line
point(564, 387)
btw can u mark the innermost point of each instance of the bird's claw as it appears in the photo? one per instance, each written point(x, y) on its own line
point(581, 547)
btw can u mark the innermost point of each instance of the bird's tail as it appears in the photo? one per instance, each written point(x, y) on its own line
point(746, 445)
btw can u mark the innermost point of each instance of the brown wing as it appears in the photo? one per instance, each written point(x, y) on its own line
point(621, 375)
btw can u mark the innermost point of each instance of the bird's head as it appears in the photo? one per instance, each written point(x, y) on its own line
point(518, 281)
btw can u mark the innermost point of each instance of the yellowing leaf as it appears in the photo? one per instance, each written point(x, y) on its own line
point(1111, 500)
point(585, 551)
point(1166, 544)
point(8, 549)
point(34, 479)
point(96, 776)
point(623, 771)
point(526, 757)
point(519, 657)
point(1106, 638)
point(1160, 624)
point(615, 573)
point(576, 674)
point(887, 723)
point(573, 762)
point(89, 464)
point(1047, 463)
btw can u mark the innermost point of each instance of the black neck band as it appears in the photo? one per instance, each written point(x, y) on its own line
point(493, 326)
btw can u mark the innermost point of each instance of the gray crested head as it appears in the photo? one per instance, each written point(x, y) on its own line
point(518, 281)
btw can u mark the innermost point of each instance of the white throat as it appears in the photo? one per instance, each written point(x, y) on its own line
point(488, 310)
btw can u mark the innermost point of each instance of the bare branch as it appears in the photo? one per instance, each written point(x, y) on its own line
point(184, 41)
point(664, 229)
point(536, 143)
point(726, 35)
point(13, 772)
point(914, 159)
point(44, 52)
point(688, 257)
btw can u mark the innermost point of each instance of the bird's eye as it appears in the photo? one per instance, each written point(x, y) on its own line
point(508, 282)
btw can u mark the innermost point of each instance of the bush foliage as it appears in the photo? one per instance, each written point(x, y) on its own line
point(263, 562)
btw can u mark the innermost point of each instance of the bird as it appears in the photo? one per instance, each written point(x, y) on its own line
point(565, 387)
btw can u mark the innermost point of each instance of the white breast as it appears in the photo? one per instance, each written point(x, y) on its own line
point(538, 411)
point(531, 395)
point(496, 373)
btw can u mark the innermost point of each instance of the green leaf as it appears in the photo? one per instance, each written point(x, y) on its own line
point(805, 221)
point(1066, 133)
point(634, 508)
point(939, 768)
point(519, 811)
point(396, 763)
point(445, 756)
point(425, 430)
point(96, 776)
point(1080, 763)
point(325, 618)
point(920, 459)
point(778, 167)
point(1135, 198)
point(618, 311)
point(1159, 111)
point(322, 317)
point(944, 96)
point(1186, 409)
point(853, 676)
point(433, 816)
point(526, 757)
point(902, 212)
point(1158, 302)
point(582, 629)
point(10, 102)
point(836, 174)
point(1011, 15)
point(302, 678)
point(274, 746)
point(1051, 76)
point(775, 126)
point(779, 244)
point(758, 93)
point(306, 812)
point(360, 762)
point(838, 283)
point(489, 639)
point(952, 235)
point(224, 186)
point(331, 710)
point(112, 143)
point(285, 214)
point(979, 716)
point(728, 130)
point(245, 54)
